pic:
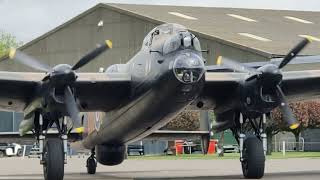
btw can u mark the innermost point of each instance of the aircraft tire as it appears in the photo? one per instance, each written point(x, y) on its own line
point(53, 156)
point(91, 165)
point(253, 158)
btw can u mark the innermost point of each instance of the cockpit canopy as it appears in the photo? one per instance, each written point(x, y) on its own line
point(168, 38)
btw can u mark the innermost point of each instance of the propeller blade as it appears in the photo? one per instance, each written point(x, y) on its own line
point(28, 60)
point(72, 108)
point(286, 111)
point(235, 65)
point(93, 54)
point(293, 53)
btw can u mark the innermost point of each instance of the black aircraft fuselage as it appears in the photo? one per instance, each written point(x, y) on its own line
point(167, 75)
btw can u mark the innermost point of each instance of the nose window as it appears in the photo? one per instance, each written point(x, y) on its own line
point(188, 67)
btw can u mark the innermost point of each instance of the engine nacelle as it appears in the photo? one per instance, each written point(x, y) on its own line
point(110, 155)
point(256, 99)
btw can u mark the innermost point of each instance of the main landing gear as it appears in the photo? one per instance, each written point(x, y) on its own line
point(253, 146)
point(92, 163)
point(53, 151)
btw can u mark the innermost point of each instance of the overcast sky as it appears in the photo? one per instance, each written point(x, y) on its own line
point(28, 19)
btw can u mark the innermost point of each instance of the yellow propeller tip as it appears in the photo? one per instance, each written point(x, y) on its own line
point(12, 53)
point(309, 38)
point(79, 130)
point(219, 60)
point(294, 126)
point(109, 44)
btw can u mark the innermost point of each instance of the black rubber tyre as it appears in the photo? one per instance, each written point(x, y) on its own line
point(253, 158)
point(2, 154)
point(53, 156)
point(91, 165)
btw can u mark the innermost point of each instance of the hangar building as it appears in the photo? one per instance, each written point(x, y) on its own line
point(246, 35)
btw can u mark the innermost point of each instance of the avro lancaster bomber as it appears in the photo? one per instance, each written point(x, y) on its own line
point(165, 77)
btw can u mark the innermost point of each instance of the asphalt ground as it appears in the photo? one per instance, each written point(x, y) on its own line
point(300, 168)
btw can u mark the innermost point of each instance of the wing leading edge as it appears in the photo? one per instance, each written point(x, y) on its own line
point(17, 89)
point(301, 85)
point(297, 85)
point(95, 91)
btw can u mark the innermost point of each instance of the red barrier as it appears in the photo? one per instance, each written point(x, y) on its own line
point(179, 146)
point(212, 146)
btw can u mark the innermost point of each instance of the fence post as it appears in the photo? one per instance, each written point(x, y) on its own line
point(24, 151)
point(283, 148)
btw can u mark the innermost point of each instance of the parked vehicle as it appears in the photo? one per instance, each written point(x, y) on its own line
point(135, 148)
point(13, 149)
point(231, 148)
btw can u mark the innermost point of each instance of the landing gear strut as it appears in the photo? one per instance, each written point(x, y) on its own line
point(252, 148)
point(53, 151)
point(92, 163)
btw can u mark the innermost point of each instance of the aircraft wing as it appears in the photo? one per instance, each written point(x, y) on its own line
point(11, 137)
point(276, 61)
point(93, 90)
point(301, 85)
point(220, 87)
point(102, 91)
point(17, 88)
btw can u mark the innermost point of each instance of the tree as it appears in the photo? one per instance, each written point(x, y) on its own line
point(185, 121)
point(314, 114)
point(307, 113)
point(7, 41)
point(273, 127)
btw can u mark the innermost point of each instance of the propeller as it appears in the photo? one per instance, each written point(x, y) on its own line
point(270, 75)
point(71, 106)
point(288, 115)
point(293, 53)
point(93, 54)
point(28, 60)
point(38, 65)
point(235, 65)
point(62, 76)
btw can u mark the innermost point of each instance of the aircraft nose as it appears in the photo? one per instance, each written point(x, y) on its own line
point(188, 67)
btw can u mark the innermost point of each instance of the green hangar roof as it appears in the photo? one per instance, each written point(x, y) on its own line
point(269, 33)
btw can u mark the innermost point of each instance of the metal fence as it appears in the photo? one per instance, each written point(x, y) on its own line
point(290, 144)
